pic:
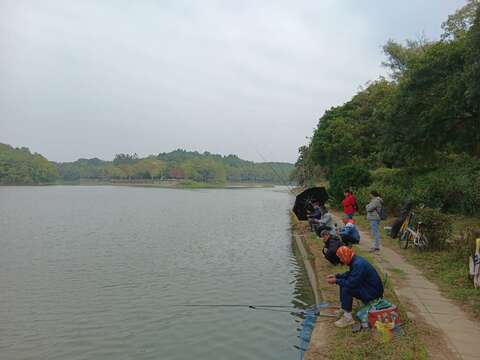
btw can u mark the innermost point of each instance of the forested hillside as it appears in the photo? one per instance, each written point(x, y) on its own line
point(178, 164)
point(19, 166)
point(415, 135)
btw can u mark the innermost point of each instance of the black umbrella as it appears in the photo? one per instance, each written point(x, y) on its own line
point(304, 201)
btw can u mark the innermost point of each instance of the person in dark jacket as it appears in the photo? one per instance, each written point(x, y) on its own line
point(349, 232)
point(361, 282)
point(325, 222)
point(330, 246)
point(349, 204)
point(315, 215)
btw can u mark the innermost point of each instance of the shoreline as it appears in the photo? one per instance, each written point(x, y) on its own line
point(167, 184)
point(310, 255)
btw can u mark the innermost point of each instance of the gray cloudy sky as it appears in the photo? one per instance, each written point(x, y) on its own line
point(94, 78)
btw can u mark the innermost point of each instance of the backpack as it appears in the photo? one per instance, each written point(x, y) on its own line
point(382, 213)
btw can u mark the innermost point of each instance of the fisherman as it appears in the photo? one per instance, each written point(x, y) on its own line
point(325, 222)
point(315, 215)
point(330, 246)
point(361, 282)
point(349, 232)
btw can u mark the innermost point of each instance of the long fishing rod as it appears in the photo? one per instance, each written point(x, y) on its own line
point(274, 308)
point(282, 178)
point(237, 305)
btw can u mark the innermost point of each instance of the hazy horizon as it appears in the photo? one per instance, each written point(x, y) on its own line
point(92, 79)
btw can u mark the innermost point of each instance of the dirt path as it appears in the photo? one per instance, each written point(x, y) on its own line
point(461, 334)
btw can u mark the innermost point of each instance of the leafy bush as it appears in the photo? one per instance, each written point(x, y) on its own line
point(464, 245)
point(391, 184)
point(454, 189)
point(438, 226)
point(386, 176)
point(348, 177)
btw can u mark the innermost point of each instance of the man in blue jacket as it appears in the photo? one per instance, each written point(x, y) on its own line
point(349, 233)
point(361, 282)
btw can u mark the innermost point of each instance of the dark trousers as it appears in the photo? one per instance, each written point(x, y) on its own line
point(319, 228)
point(347, 295)
point(312, 222)
point(348, 240)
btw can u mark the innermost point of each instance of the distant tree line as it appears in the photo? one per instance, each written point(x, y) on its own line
point(179, 164)
point(417, 134)
point(19, 166)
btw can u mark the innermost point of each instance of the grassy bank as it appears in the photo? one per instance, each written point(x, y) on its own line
point(442, 267)
point(342, 343)
point(367, 344)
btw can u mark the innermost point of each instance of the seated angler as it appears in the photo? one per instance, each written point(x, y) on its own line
point(325, 223)
point(349, 232)
point(361, 282)
point(315, 215)
point(331, 244)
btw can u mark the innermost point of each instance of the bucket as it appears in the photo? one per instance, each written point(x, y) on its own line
point(388, 230)
point(388, 315)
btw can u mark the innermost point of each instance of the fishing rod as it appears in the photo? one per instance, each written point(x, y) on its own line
point(276, 308)
point(282, 178)
point(237, 305)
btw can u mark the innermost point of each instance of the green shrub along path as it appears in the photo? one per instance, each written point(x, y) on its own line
point(459, 329)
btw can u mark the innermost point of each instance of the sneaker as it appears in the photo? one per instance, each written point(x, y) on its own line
point(344, 322)
point(338, 313)
point(374, 249)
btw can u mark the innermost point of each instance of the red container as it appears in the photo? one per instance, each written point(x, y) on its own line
point(385, 315)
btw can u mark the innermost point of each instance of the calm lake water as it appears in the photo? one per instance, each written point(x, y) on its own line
point(100, 272)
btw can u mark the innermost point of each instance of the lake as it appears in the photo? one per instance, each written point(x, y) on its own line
point(101, 272)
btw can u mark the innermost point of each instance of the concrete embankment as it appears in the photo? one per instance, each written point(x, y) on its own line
point(317, 268)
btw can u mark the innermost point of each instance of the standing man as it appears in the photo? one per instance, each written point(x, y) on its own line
point(361, 282)
point(349, 204)
point(374, 209)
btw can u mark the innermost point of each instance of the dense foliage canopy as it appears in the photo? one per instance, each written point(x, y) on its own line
point(20, 166)
point(421, 128)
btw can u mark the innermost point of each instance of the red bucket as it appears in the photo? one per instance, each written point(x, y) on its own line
point(386, 315)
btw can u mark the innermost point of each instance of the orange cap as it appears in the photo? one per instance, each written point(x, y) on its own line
point(345, 254)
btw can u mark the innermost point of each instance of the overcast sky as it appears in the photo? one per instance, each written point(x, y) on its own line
point(95, 78)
